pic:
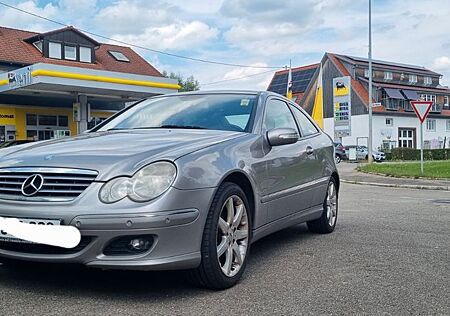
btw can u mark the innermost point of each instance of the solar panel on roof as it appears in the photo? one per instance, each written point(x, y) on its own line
point(300, 81)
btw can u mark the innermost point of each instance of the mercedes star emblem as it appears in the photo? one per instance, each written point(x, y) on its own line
point(32, 185)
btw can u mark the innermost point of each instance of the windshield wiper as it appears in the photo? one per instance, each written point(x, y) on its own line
point(182, 126)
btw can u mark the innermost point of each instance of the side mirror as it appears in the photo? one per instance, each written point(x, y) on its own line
point(282, 136)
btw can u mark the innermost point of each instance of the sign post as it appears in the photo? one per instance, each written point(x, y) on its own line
point(422, 108)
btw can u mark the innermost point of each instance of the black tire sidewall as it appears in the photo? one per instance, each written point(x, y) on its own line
point(209, 246)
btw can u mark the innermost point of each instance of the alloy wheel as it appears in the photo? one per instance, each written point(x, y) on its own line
point(232, 235)
point(331, 204)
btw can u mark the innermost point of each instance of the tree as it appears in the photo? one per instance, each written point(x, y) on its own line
point(188, 84)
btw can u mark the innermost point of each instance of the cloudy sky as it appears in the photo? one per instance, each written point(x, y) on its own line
point(254, 32)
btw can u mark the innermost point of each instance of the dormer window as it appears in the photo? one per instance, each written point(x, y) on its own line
point(38, 45)
point(388, 75)
point(427, 80)
point(412, 78)
point(70, 52)
point(54, 50)
point(85, 54)
point(119, 56)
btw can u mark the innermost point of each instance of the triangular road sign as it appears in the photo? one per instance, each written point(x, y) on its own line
point(422, 108)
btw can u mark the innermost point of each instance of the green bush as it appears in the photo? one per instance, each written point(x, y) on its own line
point(414, 154)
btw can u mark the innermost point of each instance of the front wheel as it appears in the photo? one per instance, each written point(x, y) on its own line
point(226, 240)
point(327, 222)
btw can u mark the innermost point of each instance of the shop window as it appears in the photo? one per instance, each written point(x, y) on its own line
point(31, 119)
point(85, 54)
point(70, 52)
point(63, 120)
point(54, 50)
point(31, 134)
point(48, 120)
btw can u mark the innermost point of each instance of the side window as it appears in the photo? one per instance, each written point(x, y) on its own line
point(306, 126)
point(278, 115)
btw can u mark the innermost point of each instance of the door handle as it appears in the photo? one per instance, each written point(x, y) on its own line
point(309, 150)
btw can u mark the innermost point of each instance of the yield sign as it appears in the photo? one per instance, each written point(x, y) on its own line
point(422, 108)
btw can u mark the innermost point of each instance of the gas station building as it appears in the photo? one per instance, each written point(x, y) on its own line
point(63, 82)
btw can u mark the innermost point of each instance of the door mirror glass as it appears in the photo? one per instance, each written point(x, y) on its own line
point(282, 136)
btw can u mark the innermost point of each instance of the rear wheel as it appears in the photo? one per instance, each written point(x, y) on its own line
point(327, 222)
point(226, 240)
point(337, 158)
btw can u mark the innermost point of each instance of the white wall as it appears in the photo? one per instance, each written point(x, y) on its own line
point(360, 129)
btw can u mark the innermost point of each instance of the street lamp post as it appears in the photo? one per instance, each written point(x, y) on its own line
point(369, 141)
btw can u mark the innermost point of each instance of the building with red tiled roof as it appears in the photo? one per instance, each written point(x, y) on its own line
point(395, 85)
point(47, 77)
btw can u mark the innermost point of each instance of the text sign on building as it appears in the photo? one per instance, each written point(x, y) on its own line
point(342, 92)
point(19, 78)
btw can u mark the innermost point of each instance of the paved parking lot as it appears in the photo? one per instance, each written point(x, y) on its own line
point(390, 254)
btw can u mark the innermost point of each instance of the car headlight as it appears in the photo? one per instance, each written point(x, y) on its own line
point(146, 184)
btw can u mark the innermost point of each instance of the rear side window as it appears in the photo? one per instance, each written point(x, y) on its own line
point(278, 115)
point(306, 126)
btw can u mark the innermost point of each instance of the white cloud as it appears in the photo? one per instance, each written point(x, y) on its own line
point(13, 18)
point(175, 36)
point(442, 62)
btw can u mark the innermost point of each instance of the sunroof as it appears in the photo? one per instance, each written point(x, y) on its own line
point(119, 56)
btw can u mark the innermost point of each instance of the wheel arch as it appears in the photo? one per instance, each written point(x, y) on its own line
point(335, 176)
point(242, 180)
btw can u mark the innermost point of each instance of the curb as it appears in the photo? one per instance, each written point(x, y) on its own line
point(405, 186)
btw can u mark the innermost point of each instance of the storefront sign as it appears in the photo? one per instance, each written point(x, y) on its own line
point(342, 106)
point(20, 78)
point(7, 116)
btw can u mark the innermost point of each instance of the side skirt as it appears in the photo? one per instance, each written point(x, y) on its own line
point(300, 217)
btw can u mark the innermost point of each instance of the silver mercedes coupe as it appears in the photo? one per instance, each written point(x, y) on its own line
point(185, 181)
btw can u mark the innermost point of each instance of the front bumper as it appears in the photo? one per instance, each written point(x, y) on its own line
point(177, 233)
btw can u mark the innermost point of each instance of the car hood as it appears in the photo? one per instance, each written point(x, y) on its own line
point(115, 152)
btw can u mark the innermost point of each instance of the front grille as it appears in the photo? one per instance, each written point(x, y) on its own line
point(60, 184)
point(44, 249)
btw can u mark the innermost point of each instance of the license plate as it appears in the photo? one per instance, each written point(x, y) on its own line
point(4, 236)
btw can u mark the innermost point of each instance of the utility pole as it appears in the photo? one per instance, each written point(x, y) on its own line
point(370, 157)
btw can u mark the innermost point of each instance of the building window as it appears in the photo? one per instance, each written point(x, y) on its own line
point(427, 80)
point(388, 75)
point(389, 121)
point(413, 78)
point(63, 120)
point(85, 54)
point(70, 52)
point(407, 137)
point(447, 125)
point(119, 56)
point(446, 100)
point(48, 120)
point(428, 97)
point(54, 50)
point(431, 125)
point(31, 119)
point(366, 73)
point(38, 45)
point(32, 134)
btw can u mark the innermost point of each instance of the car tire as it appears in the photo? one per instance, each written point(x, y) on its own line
point(337, 159)
point(327, 222)
point(222, 269)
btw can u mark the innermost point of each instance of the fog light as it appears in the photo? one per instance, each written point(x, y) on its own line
point(140, 244)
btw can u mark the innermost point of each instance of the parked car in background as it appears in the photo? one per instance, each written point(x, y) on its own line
point(184, 181)
point(339, 152)
point(362, 153)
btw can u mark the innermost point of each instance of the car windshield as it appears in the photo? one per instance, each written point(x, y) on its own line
point(230, 112)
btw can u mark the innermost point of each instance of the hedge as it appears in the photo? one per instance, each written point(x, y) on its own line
point(414, 154)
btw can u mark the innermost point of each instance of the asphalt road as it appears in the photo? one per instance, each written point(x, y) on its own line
point(390, 254)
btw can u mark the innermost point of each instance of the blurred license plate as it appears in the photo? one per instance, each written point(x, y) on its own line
point(4, 236)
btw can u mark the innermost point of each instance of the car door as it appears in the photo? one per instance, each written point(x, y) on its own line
point(319, 147)
point(286, 166)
